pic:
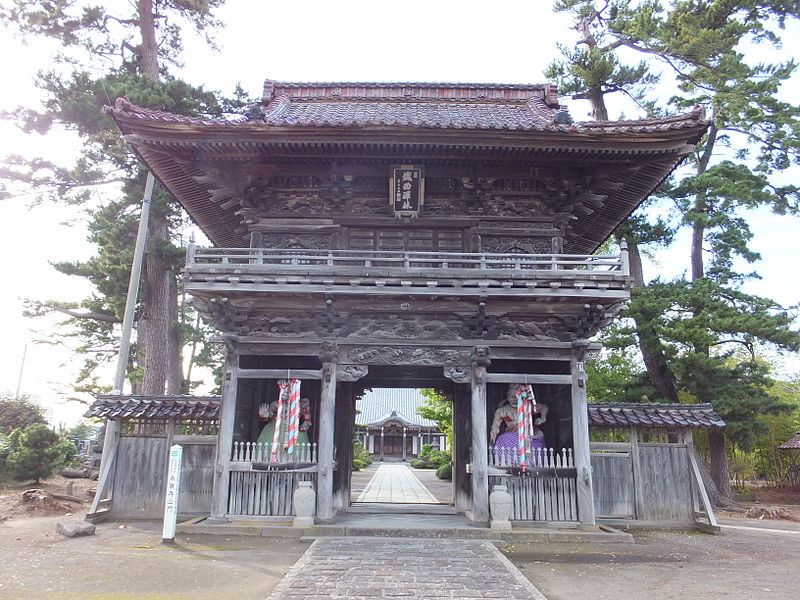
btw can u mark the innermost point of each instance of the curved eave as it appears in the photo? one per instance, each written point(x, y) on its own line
point(174, 149)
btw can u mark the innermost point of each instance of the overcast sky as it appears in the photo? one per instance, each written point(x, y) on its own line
point(452, 41)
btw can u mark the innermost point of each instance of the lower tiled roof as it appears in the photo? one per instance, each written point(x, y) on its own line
point(382, 404)
point(792, 444)
point(615, 414)
point(204, 408)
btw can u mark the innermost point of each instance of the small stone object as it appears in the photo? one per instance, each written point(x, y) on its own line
point(500, 507)
point(73, 529)
point(69, 489)
point(303, 502)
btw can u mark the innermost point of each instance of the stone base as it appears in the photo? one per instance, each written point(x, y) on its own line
point(500, 525)
point(303, 522)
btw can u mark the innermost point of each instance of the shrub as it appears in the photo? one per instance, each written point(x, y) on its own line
point(37, 455)
point(418, 463)
point(445, 471)
point(439, 458)
point(361, 457)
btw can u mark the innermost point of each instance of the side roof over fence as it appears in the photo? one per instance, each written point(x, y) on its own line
point(601, 414)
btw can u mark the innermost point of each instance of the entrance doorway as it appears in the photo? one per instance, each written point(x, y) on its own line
point(401, 445)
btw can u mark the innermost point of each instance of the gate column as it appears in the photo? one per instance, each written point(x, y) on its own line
point(327, 412)
point(222, 477)
point(480, 441)
point(580, 435)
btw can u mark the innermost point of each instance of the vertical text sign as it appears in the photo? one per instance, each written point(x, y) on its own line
point(173, 492)
point(407, 190)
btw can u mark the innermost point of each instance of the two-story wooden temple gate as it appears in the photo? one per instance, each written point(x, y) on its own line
point(371, 233)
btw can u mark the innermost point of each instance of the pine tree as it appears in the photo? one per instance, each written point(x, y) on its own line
point(139, 45)
point(699, 326)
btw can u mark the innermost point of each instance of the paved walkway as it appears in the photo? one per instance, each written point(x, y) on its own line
point(396, 483)
point(412, 569)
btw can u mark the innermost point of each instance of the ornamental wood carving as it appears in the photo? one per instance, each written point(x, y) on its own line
point(406, 355)
point(510, 245)
point(311, 241)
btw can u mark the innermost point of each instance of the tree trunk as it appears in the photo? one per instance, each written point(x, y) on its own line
point(658, 372)
point(175, 362)
point(155, 324)
point(158, 332)
point(717, 498)
point(720, 470)
point(149, 50)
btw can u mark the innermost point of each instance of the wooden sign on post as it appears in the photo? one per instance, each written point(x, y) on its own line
point(173, 493)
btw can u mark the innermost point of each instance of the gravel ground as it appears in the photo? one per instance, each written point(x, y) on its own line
point(740, 564)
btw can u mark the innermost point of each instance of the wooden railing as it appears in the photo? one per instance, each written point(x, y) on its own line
point(261, 452)
point(547, 458)
point(327, 260)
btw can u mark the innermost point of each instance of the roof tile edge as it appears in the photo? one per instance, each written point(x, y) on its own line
point(376, 91)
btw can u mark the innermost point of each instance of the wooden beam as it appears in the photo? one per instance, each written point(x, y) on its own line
point(279, 374)
point(580, 442)
point(529, 378)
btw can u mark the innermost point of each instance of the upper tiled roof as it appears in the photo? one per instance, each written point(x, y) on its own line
point(408, 105)
point(382, 404)
point(155, 407)
point(792, 444)
point(612, 414)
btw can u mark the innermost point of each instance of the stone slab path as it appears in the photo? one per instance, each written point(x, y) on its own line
point(360, 568)
point(396, 483)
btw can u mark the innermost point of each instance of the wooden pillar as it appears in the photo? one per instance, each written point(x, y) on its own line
point(462, 491)
point(382, 443)
point(480, 461)
point(404, 444)
point(580, 438)
point(343, 440)
point(222, 479)
point(327, 410)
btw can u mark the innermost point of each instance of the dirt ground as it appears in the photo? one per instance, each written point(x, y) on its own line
point(740, 564)
point(750, 560)
point(131, 563)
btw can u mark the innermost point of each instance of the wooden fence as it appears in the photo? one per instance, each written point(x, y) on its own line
point(141, 470)
point(648, 482)
point(544, 491)
point(261, 486)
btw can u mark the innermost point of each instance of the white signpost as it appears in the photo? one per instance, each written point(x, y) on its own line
point(173, 493)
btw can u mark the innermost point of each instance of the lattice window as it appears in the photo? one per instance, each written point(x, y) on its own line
point(144, 428)
point(610, 434)
point(197, 427)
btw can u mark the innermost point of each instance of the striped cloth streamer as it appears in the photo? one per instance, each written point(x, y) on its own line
point(294, 414)
point(276, 437)
point(521, 429)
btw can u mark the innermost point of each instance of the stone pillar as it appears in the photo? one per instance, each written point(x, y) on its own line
point(580, 437)
point(222, 479)
point(404, 444)
point(327, 415)
point(382, 443)
point(480, 441)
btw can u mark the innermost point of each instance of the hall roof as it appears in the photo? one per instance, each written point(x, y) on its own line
point(380, 405)
point(438, 124)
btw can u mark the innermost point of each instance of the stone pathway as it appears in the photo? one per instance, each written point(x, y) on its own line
point(396, 483)
point(358, 568)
